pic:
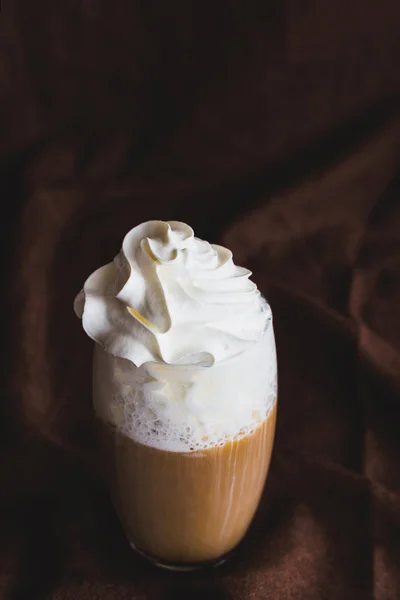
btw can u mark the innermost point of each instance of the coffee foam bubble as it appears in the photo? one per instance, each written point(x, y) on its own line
point(187, 408)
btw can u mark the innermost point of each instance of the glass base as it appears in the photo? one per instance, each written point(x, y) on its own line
point(181, 566)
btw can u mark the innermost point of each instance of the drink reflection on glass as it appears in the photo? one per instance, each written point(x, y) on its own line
point(184, 380)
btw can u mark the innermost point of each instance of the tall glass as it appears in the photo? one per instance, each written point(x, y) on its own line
point(186, 450)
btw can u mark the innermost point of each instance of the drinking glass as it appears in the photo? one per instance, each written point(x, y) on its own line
point(186, 450)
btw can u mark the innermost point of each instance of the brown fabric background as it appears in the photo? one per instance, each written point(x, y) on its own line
point(272, 127)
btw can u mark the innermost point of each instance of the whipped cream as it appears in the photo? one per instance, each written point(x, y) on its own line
point(169, 297)
point(185, 356)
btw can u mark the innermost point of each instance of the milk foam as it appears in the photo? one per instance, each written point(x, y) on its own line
point(187, 408)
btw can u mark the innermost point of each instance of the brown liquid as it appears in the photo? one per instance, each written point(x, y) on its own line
point(187, 506)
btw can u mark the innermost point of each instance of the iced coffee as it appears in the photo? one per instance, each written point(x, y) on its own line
point(184, 381)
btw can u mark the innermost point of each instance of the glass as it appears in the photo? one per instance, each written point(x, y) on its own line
point(186, 450)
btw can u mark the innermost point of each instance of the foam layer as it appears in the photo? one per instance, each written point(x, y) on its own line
point(188, 408)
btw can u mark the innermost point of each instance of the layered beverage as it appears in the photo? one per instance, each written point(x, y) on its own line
point(184, 391)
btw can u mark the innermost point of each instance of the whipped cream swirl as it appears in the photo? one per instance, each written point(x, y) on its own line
point(170, 297)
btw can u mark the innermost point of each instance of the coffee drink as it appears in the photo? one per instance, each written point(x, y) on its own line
point(190, 498)
point(187, 507)
point(184, 382)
